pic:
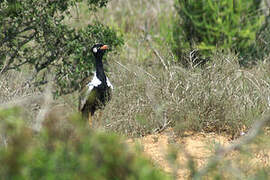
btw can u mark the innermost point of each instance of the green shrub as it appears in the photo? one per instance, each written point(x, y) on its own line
point(212, 25)
point(36, 34)
point(72, 151)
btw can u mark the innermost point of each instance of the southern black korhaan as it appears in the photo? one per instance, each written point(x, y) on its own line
point(97, 92)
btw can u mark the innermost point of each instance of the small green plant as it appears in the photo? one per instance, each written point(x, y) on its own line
point(212, 25)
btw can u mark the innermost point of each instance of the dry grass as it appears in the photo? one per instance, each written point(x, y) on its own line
point(14, 91)
point(36, 103)
point(222, 97)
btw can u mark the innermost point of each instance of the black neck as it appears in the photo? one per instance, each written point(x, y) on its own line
point(99, 69)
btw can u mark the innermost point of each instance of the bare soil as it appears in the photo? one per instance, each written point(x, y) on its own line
point(199, 146)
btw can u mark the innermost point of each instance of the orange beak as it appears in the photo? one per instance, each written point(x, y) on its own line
point(104, 47)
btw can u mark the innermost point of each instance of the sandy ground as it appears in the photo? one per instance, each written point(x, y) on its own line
point(199, 146)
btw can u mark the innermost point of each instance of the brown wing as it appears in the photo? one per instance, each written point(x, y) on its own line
point(86, 80)
point(84, 93)
point(83, 97)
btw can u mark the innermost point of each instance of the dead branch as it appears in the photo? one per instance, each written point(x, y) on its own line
point(117, 62)
point(160, 58)
point(48, 98)
point(163, 127)
point(150, 75)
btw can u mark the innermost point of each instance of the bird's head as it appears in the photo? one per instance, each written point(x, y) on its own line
point(99, 49)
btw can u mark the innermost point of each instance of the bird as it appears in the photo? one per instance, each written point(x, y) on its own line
point(97, 93)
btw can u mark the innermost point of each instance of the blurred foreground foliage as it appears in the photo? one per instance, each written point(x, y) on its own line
point(34, 33)
point(68, 149)
point(71, 151)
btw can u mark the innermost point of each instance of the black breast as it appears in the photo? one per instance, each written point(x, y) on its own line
point(104, 94)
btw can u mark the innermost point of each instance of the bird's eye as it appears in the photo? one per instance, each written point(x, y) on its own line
point(94, 50)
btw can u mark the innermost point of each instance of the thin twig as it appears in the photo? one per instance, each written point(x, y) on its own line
point(150, 75)
point(160, 58)
point(165, 125)
point(157, 54)
point(48, 98)
point(117, 62)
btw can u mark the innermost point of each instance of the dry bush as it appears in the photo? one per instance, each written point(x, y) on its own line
point(15, 91)
point(135, 108)
point(224, 96)
point(13, 85)
point(37, 104)
point(221, 97)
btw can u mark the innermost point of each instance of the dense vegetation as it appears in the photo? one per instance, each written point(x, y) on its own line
point(156, 73)
point(67, 150)
point(210, 26)
point(34, 34)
